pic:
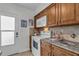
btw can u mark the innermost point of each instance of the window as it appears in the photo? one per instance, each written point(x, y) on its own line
point(7, 30)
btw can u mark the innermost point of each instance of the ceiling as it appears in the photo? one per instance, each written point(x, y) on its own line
point(31, 6)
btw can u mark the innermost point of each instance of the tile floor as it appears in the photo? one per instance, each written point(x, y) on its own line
point(26, 53)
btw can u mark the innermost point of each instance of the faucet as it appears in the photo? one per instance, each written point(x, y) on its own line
point(52, 33)
point(61, 37)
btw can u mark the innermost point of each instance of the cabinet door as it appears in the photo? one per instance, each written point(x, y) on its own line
point(45, 49)
point(67, 12)
point(77, 12)
point(45, 52)
point(57, 51)
point(51, 13)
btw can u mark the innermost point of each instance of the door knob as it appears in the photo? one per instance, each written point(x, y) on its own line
point(16, 34)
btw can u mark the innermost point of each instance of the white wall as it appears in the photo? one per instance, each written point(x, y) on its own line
point(19, 12)
point(22, 42)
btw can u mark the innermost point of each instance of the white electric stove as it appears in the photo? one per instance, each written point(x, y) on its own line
point(36, 43)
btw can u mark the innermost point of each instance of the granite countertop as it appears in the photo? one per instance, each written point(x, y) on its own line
point(74, 49)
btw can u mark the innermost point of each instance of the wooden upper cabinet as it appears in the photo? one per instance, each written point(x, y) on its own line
point(38, 16)
point(51, 14)
point(77, 13)
point(41, 14)
point(60, 14)
point(67, 13)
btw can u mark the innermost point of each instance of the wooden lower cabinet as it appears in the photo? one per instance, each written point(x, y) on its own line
point(57, 51)
point(45, 52)
point(45, 49)
point(48, 49)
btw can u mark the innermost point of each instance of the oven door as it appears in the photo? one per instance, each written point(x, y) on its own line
point(36, 46)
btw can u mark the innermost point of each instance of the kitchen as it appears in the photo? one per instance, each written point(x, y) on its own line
point(59, 23)
point(40, 29)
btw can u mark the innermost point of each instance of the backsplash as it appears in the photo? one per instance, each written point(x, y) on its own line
point(67, 32)
point(66, 29)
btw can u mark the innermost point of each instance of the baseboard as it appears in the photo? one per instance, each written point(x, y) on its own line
point(12, 54)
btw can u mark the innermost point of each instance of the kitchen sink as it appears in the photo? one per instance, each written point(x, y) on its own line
point(69, 43)
point(65, 42)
